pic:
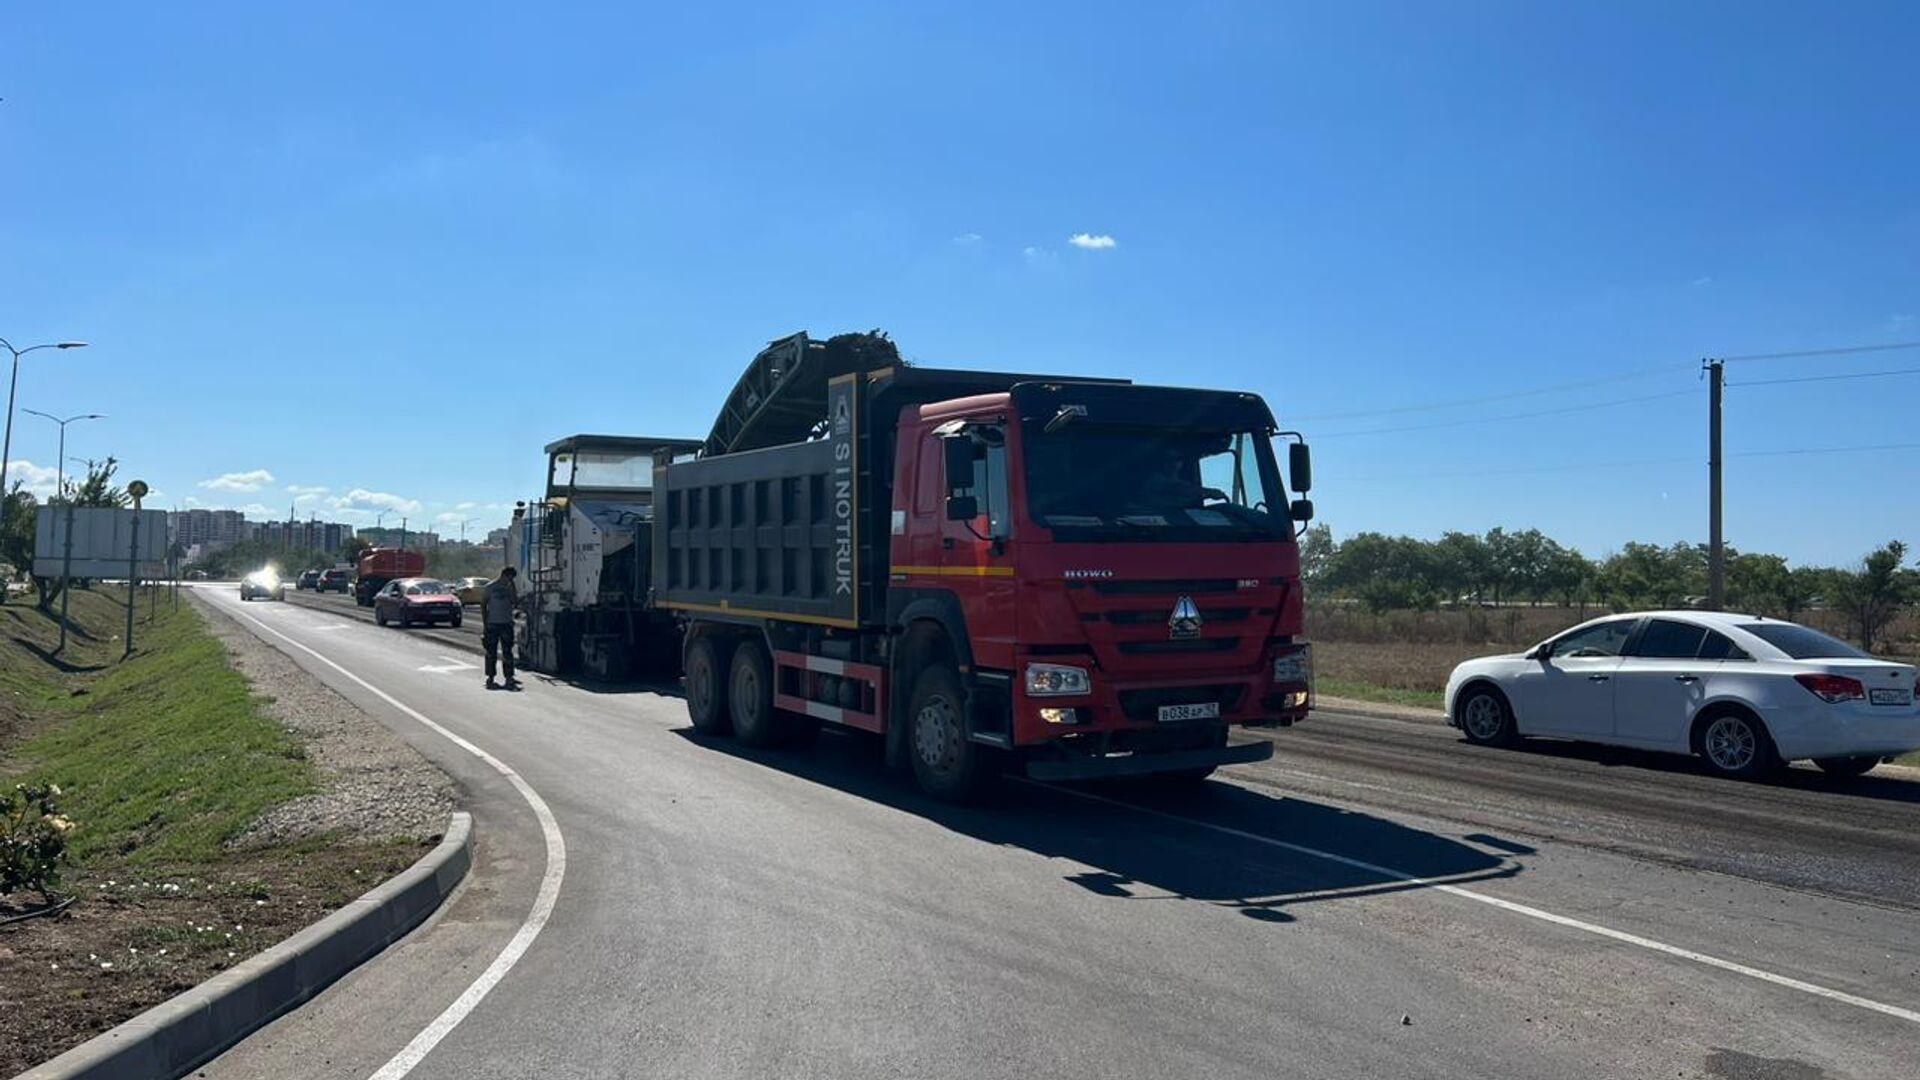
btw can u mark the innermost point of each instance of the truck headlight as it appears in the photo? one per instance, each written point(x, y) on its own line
point(1056, 680)
point(1295, 666)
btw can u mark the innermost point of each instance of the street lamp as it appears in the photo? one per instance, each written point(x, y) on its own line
point(463, 528)
point(60, 468)
point(6, 444)
point(60, 489)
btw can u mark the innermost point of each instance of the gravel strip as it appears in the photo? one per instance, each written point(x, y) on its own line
point(376, 787)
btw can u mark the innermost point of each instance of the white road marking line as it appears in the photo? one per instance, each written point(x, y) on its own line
point(1896, 1011)
point(450, 666)
point(411, 1055)
point(332, 626)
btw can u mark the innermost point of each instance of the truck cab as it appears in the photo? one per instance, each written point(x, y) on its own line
point(1120, 559)
point(583, 555)
point(1073, 578)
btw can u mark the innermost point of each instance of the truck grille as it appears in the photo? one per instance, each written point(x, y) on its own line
point(1208, 616)
point(1191, 645)
point(1170, 587)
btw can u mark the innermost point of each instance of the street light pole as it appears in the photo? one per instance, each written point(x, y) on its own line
point(60, 489)
point(60, 468)
point(6, 443)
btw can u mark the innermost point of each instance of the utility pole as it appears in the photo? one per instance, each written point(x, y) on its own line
point(1716, 538)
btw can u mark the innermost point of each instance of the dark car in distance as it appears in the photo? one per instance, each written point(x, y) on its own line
point(339, 579)
point(410, 601)
point(308, 579)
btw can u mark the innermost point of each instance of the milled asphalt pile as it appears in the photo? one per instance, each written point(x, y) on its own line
point(375, 786)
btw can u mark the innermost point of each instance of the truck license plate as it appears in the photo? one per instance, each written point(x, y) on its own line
point(1878, 696)
point(1203, 711)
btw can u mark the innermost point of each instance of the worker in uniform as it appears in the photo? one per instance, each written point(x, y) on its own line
point(496, 611)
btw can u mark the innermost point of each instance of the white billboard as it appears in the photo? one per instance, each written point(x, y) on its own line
point(102, 542)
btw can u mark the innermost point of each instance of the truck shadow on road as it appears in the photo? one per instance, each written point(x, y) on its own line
point(1221, 844)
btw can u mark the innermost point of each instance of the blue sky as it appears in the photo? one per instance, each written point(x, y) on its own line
point(390, 250)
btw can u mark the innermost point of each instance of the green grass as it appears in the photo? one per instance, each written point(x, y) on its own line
point(163, 757)
point(1366, 691)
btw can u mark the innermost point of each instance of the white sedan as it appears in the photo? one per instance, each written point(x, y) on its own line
point(1744, 693)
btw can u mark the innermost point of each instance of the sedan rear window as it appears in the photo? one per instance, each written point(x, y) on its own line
point(1800, 642)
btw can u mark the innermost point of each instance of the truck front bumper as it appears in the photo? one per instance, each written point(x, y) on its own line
point(1107, 766)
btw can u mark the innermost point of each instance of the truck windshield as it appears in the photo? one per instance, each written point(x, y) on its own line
point(1088, 481)
point(602, 470)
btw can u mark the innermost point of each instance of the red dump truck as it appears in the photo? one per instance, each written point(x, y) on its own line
point(1073, 578)
point(381, 565)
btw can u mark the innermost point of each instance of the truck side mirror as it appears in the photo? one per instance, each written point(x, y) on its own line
point(962, 508)
point(1301, 510)
point(1300, 467)
point(961, 452)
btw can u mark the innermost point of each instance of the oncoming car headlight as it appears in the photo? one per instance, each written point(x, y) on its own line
point(1056, 680)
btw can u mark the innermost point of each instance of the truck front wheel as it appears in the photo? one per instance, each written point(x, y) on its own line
point(947, 764)
point(706, 690)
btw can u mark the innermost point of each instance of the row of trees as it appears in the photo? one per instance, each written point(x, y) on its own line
point(1387, 573)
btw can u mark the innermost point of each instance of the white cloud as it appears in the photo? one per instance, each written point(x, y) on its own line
point(364, 501)
point(968, 239)
point(255, 510)
point(463, 506)
point(305, 499)
point(251, 480)
point(1092, 241)
point(449, 519)
point(190, 501)
point(1036, 254)
point(39, 479)
point(1702, 280)
point(302, 489)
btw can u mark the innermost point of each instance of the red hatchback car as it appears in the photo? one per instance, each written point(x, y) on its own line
point(416, 600)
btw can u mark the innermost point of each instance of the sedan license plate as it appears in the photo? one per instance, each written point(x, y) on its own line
point(1206, 710)
point(1879, 696)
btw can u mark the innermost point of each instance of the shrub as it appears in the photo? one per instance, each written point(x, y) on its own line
point(33, 839)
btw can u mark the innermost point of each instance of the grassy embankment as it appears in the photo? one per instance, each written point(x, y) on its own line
point(164, 759)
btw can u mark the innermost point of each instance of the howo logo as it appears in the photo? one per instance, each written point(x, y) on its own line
point(1184, 623)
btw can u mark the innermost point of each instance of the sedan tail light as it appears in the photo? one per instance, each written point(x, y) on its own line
point(1833, 689)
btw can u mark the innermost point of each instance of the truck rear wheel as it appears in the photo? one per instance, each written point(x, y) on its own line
point(706, 690)
point(948, 765)
point(750, 696)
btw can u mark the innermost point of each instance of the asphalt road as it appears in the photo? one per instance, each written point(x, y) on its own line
point(1379, 900)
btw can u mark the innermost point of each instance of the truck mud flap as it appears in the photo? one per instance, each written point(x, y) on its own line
point(1102, 768)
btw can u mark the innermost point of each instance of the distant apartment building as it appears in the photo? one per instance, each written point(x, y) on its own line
point(208, 530)
point(416, 539)
point(301, 535)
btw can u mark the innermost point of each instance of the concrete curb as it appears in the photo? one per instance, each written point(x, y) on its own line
point(177, 1035)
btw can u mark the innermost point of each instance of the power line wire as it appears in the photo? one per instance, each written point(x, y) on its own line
point(1831, 378)
point(1827, 450)
point(1507, 416)
point(1638, 373)
point(1847, 350)
point(1628, 462)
